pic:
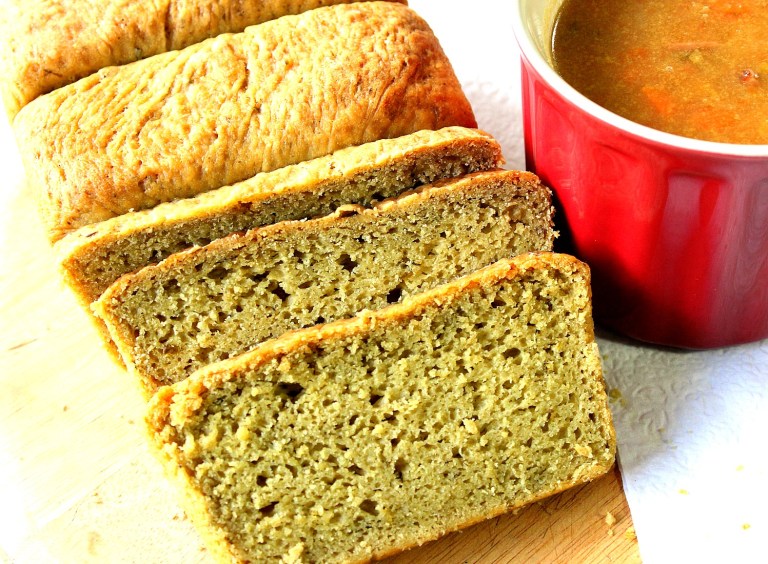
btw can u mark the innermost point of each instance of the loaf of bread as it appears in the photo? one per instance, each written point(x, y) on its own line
point(218, 112)
point(353, 440)
point(93, 257)
point(50, 43)
point(210, 303)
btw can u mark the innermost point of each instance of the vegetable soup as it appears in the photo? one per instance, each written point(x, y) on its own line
point(693, 68)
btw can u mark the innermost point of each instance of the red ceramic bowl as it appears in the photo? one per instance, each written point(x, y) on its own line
point(675, 230)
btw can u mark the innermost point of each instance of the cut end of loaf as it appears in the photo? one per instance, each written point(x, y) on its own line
point(367, 436)
point(212, 303)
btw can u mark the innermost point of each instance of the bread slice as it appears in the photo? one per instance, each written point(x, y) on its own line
point(210, 303)
point(93, 257)
point(220, 111)
point(51, 43)
point(360, 438)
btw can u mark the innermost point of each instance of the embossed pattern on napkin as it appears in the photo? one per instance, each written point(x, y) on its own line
point(692, 448)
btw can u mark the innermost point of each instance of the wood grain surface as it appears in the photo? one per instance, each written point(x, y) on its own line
point(589, 523)
point(78, 484)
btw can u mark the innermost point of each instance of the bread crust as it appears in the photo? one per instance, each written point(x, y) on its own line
point(52, 43)
point(218, 112)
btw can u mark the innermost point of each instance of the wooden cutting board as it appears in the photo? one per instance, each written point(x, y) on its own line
point(78, 485)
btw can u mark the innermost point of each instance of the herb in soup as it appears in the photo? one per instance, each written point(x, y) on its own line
point(693, 68)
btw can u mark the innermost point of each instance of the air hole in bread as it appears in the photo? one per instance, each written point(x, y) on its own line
point(545, 425)
point(394, 295)
point(346, 262)
point(514, 352)
point(400, 466)
point(355, 469)
point(258, 277)
point(268, 510)
point(290, 390)
point(369, 506)
point(277, 290)
point(171, 286)
point(217, 273)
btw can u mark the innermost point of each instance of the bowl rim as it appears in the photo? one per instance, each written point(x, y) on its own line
point(533, 56)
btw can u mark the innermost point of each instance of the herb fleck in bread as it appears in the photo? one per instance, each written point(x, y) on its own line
point(51, 43)
point(360, 438)
point(220, 111)
point(209, 303)
point(95, 256)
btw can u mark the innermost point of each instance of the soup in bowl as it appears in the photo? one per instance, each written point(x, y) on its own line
point(674, 228)
point(693, 68)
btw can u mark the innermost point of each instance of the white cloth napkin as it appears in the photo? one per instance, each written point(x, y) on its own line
point(692, 426)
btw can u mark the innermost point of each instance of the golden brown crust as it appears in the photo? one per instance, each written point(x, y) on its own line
point(220, 111)
point(51, 43)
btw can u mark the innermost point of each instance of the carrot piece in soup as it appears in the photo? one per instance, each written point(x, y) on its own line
point(659, 99)
point(712, 120)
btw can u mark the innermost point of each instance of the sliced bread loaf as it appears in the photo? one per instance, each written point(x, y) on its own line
point(50, 43)
point(93, 257)
point(217, 112)
point(353, 440)
point(209, 303)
